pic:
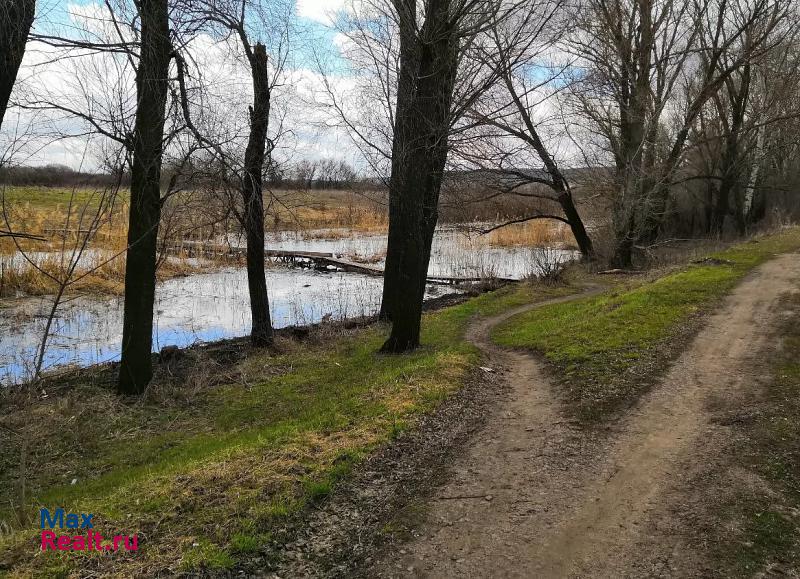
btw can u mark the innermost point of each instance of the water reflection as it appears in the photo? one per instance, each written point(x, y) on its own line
point(453, 252)
point(199, 308)
point(212, 306)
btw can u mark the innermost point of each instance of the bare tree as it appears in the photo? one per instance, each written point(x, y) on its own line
point(420, 75)
point(120, 92)
point(16, 19)
point(244, 20)
point(636, 55)
point(507, 116)
point(431, 37)
point(152, 88)
point(253, 196)
point(735, 133)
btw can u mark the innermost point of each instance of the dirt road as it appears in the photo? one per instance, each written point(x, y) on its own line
point(535, 496)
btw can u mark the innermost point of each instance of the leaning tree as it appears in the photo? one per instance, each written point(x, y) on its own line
point(503, 132)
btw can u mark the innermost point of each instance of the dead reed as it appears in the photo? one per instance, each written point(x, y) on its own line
point(538, 233)
point(101, 268)
point(324, 210)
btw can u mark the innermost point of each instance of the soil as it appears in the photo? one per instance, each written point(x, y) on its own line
point(385, 499)
point(536, 496)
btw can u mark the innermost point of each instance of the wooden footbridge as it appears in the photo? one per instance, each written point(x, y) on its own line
point(321, 261)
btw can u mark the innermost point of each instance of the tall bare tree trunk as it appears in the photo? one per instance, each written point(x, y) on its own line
point(16, 19)
point(421, 143)
point(252, 193)
point(395, 261)
point(631, 183)
point(749, 193)
point(136, 368)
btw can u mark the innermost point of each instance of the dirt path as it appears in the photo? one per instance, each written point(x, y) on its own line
point(535, 496)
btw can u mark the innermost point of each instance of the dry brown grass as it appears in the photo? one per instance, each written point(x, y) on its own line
point(97, 276)
point(539, 233)
point(305, 210)
point(353, 218)
point(61, 228)
point(99, 272)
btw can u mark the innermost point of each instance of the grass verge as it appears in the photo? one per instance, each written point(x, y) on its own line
point(204, 473)
point(609, 349)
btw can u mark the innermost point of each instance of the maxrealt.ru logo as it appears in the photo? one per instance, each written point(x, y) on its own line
point(90, 541)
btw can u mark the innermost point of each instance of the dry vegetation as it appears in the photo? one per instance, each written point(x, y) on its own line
point(328, 209)
point(51, 213)
point(538, 233)
point(101, 267)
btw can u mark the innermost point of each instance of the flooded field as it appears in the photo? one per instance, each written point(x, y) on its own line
point(454, 252)
point(210, 306)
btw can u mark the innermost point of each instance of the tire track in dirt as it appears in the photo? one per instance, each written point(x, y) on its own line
point(536, 497)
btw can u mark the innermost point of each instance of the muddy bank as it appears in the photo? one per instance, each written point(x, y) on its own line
point(188, 311)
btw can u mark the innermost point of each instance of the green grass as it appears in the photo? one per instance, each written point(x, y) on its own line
point(49, 198)
point(206, 555)
point(607, 350)
point(205, 476)
point(767, 535)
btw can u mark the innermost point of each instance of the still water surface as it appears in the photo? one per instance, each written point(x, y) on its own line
point(212, 306)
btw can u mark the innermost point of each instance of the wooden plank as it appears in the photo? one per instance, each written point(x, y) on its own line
point(235, 249)
point(296, 254)
point(324, 259)
point(349, 266)
point(371, 270)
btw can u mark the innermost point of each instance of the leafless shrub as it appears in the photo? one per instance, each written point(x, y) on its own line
point(81, 224)
point(548, 265)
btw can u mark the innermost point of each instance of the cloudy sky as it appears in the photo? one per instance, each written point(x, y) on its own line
point(102, 86)
point(97, 84)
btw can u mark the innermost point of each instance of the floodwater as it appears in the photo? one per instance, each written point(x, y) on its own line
point(211, 306)
point(453, 252)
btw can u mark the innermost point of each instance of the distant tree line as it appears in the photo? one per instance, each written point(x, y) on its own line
point(56, 176)
point(319, 174)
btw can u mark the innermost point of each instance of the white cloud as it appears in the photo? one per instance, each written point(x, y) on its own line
point(323, 11)
point(104, 86)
